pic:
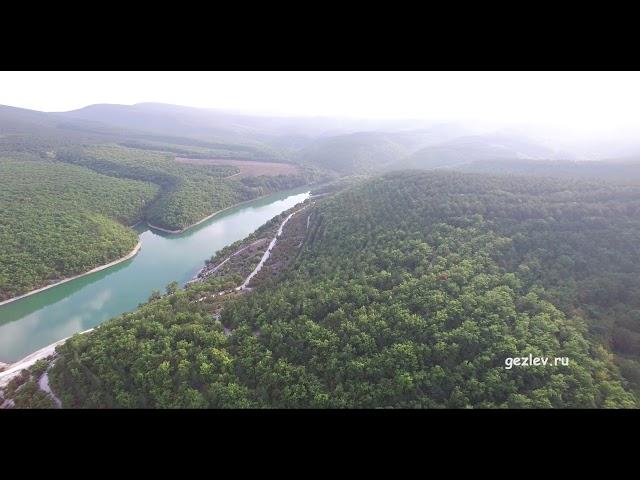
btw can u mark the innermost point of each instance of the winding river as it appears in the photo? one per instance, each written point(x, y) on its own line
point(36, 321)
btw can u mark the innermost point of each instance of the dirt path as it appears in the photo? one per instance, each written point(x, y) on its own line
point(217, 267)
point(244, 288)
point(267, 253)
point(15, 368)
point(43, 383)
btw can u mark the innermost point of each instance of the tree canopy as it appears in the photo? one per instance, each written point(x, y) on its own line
point(411, 290)
point(59, 220)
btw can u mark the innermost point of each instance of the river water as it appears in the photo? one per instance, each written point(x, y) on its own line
point(46, 317)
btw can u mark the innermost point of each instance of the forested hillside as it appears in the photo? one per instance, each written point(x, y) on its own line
point(464, 150)
point(355, 153)
point(188, 192)
point(618, 172)
point(23, 130)
point(70, 186)
point(341, 145)
point(371, 151)
point(410, 290)
point(59, 220)
point(258, 131)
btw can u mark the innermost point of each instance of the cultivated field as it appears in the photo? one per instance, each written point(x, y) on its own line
point(248, 168)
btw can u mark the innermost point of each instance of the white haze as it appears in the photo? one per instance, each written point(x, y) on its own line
point(594, 113)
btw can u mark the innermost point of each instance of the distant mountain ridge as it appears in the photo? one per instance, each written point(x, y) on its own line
point(343, 145)
point(212, 123)
point(469, 149)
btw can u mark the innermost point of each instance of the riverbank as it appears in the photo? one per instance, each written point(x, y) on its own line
point(94, 270)
point(15, 368)
point(267, 252)
point(176, 232)
point(42, 319)
point(244, 287)
point(207, 270)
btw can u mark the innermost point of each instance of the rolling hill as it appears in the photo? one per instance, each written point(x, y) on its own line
point(70, 186)
point(354, 153)
point(366, 152)
point(409, 290)
point(618, 171)
point(465, 150)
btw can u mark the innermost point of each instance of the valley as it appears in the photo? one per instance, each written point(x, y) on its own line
point(247, 168)
point(158, 256)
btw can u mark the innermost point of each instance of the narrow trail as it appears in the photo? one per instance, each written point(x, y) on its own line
point(267, 253)
point(217, 267)
point(43, 383)
point(244, 287)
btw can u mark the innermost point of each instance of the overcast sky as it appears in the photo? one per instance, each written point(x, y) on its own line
point(587, 102)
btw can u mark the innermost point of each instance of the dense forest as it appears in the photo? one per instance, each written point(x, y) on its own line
point(25, 391)
point(409, 290)
point(69, 190)
point(62, 217)
point(618, 172)
point(36, 132)
point(188, 192)
point(355, 153)
point(58, 220)
point(405, 289)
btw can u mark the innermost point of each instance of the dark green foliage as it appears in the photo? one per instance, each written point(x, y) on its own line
point(38, 368)
point(172, 288)
point(59, 220)
point(188, 192)
point(169, 333)
point(30, 396)
point(411, 290)
point(24, 390)
point(155, 295)
point(16, 382)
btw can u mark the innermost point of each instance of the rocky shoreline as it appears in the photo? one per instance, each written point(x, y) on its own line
point(15, 368)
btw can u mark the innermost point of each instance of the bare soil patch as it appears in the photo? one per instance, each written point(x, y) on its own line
point(248, 168)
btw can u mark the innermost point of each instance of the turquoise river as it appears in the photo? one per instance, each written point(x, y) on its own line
point(36, 321)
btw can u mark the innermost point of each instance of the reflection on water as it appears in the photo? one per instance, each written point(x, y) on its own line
point(39, 320)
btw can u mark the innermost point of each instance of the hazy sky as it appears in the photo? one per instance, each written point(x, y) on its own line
point(585, 102)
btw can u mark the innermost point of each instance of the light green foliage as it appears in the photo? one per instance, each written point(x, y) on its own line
point(58, 220)
point(411, 291)
point(188, 192)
